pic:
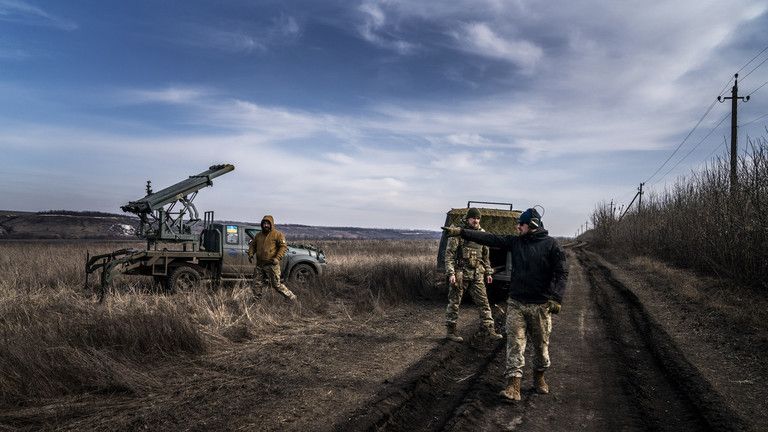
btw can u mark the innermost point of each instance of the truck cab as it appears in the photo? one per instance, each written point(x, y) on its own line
point(300, 263)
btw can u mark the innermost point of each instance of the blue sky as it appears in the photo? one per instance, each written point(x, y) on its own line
point(367, 113)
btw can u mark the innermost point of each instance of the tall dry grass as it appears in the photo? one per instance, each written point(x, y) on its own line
point(57, 339)
point(701, 222)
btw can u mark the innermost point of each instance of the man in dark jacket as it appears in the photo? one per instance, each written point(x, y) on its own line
point(539, 274)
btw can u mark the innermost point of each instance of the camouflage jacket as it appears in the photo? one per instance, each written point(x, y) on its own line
point(467, 255)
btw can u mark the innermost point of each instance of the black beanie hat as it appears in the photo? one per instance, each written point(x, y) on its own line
point(473, 213)
point(532, 218)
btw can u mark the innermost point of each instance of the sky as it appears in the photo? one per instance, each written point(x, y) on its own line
point(371, 113)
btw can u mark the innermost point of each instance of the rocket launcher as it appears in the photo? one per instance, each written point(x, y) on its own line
point(162, 214)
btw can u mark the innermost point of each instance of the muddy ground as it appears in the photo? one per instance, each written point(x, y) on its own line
point(638, 346)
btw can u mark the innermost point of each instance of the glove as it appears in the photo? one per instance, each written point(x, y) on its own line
point(451, 231)
point(553, 307)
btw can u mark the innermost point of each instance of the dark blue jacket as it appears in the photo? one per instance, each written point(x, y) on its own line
point(539, 270)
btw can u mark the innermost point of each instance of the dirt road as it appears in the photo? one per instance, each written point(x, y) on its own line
point(614, 367)
point(618, 364)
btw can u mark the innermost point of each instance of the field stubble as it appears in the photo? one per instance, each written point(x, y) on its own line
point(58, 340)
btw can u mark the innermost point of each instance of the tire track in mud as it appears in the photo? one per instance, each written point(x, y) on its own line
point(670, 393)
point(426, 396)
point(455, 386)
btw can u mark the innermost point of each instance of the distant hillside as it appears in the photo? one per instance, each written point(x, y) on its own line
point(65, 224)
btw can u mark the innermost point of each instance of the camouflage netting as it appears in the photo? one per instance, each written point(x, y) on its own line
point(495, 221)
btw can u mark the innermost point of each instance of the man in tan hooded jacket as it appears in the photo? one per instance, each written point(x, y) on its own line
point(269, 247)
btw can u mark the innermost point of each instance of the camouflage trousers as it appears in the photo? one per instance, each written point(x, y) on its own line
point(268, 275)
point(472, 280)
point(527, 322)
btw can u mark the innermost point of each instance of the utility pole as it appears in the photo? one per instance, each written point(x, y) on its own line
point(640, 197)
point(734, 126)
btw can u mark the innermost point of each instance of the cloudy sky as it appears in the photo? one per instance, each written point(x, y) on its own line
point(369, 113)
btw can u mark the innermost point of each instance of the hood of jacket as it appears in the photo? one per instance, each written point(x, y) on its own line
point(269, 219)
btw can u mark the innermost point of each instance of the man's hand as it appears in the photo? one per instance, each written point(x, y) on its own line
point(452, 231)
point(250, 259)
point(275, 261)
point(452, 279)
point(553, 306)
point(489, 279)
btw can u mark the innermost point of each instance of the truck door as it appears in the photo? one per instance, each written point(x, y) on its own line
point(234, 257)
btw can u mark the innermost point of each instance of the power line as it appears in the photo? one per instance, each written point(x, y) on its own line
point(692, 149)
point(761, 86)
point(725, 87)
point(752, 59)
point(754, 69)
point(725, 143)
point(756, 119)
point(683, 141)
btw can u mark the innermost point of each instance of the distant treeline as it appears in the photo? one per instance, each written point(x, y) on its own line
point(79, 213)
point(702, 222)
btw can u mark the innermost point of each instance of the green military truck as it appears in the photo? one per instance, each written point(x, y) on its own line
point(501, 221)
point(178, 256)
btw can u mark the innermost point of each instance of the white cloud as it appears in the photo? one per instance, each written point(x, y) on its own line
point(25, 13)
point(248, 38)
point(478, 38)
point(168, 95)
point(373, 30)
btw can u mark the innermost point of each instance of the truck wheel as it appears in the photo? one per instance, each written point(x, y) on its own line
point(183, 279)
point(302, 273)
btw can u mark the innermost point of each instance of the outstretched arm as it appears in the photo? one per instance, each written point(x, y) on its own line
point(488, 239)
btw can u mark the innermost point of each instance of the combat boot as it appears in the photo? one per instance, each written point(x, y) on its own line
point(450, 333)
point(539, 383)
point(491, 332)
point(512, 391)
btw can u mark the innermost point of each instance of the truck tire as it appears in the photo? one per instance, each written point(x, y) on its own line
point(183, 279)
point(302, 273)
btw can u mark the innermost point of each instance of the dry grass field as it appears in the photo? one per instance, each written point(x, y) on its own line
point(364, 346)
point(57, 340)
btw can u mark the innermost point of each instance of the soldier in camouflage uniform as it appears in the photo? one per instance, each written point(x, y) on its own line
point(467, 266)
point(536, 292)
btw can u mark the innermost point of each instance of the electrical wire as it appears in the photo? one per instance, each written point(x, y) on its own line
point(758, 88)
point(754, 120)
point(754, 69)
point(725, 87)
point(683, 141)
point(725, 144)
point(692, 149)
point(752, 59)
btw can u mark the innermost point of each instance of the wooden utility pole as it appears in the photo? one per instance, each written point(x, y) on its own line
point(640, 197)
point(734, 126)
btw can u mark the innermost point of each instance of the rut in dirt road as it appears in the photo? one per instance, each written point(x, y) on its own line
point(614, 368)
point(426, 396)
point(670, 393)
